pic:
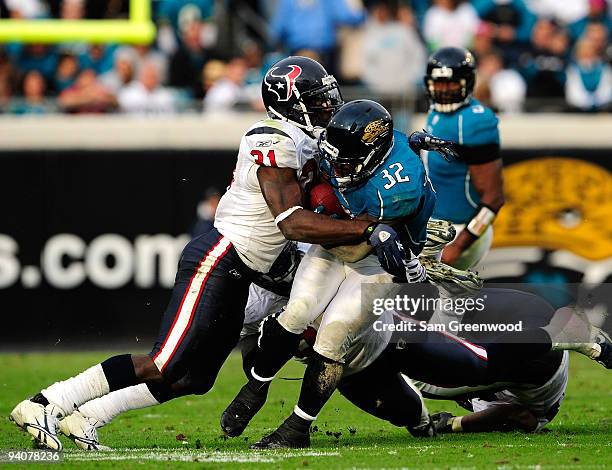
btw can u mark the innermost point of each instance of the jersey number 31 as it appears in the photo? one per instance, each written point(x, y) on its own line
point(259, 158)
point(396, 177)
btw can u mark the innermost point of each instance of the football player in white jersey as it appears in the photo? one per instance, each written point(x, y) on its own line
point(260, 211)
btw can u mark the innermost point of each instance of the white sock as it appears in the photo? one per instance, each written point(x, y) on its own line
point(570, 330)
point(568, 326)
point(73, 392)
point(104, 409)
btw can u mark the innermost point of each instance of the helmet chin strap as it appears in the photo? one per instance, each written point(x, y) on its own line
point(309, 127)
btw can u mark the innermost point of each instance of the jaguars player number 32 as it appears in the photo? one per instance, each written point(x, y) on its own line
point(470, 190)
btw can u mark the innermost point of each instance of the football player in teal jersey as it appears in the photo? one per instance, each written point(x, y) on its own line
point(470, 190)
point(378, 177)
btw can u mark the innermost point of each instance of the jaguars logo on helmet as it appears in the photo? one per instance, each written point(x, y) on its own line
point(356, 141)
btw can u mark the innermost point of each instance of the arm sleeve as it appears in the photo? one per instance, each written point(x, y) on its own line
point(479, 142)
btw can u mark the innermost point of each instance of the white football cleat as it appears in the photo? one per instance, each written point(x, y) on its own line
point(40, 421)
point(454, 281)
point(82, 431)
point(439, 234)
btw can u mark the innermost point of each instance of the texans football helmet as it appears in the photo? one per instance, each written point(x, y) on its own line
point(356, 141)
point(299, 90)
point(450, 65)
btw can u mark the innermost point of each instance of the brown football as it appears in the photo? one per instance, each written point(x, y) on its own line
point(323, 195)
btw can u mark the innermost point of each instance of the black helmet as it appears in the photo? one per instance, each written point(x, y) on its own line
point(450, 64)
point(299, 90)
point(355, 142)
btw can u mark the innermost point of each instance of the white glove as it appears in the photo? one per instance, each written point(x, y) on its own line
point(415, 272)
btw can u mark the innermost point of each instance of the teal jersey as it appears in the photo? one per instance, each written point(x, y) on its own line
point(398, 190)
point(474, 128)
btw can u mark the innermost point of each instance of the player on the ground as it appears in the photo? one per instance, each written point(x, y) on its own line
point(261, 209)
point(470, 191)
point(378, 177)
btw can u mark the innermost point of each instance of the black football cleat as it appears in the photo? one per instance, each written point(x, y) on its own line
point(294, 433)
point(283, 438)
point(243, 408)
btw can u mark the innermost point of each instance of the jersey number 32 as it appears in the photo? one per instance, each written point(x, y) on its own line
point(396, 176)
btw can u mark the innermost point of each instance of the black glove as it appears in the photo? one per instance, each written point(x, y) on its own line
point(424, 141)
point(389, 249)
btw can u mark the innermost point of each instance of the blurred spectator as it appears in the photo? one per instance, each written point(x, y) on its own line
point(98, 57)
point(392, 51)
point(509, 23)
point(205, 212)
point(598, 12)
point(26, 9)
point(213, 71)
point(589, 79)
point(174, 16)
point(146, 54)
point(562, 11)
point(543, 65)
point(66, 73)
point(312, 25)
point(33, 101)
point(37, 57)
point(498, 87)
point(599, 35)
point(72, 9)
point(252, 54)
point(146, 95)
point(123, 71)
point(228, 92)
point(450, 23)
point(187, 62)
point(483, 40)
point(87, 95)
point(7, 78)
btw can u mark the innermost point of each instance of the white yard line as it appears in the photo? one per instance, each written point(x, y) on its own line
point(179, 455)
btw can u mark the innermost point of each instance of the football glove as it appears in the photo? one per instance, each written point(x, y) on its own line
point(389, 249)
point(415, 272)
point(424, 141)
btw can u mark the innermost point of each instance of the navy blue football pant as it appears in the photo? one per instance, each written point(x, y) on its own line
point(204, 317)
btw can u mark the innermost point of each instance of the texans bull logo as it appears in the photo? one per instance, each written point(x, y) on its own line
point(283, 91)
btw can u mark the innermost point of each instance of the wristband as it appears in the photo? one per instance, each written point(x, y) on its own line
point(481, 221)
point(283, 215)
point(367, 233)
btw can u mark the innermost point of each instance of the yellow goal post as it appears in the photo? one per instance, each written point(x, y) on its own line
point(138, 29)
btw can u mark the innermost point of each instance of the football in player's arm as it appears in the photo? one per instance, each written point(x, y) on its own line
point(470, 190)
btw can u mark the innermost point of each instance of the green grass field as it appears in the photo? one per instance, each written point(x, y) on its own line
point(185, 433)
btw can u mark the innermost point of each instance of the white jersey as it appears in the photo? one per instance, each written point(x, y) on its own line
point(243, 215)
